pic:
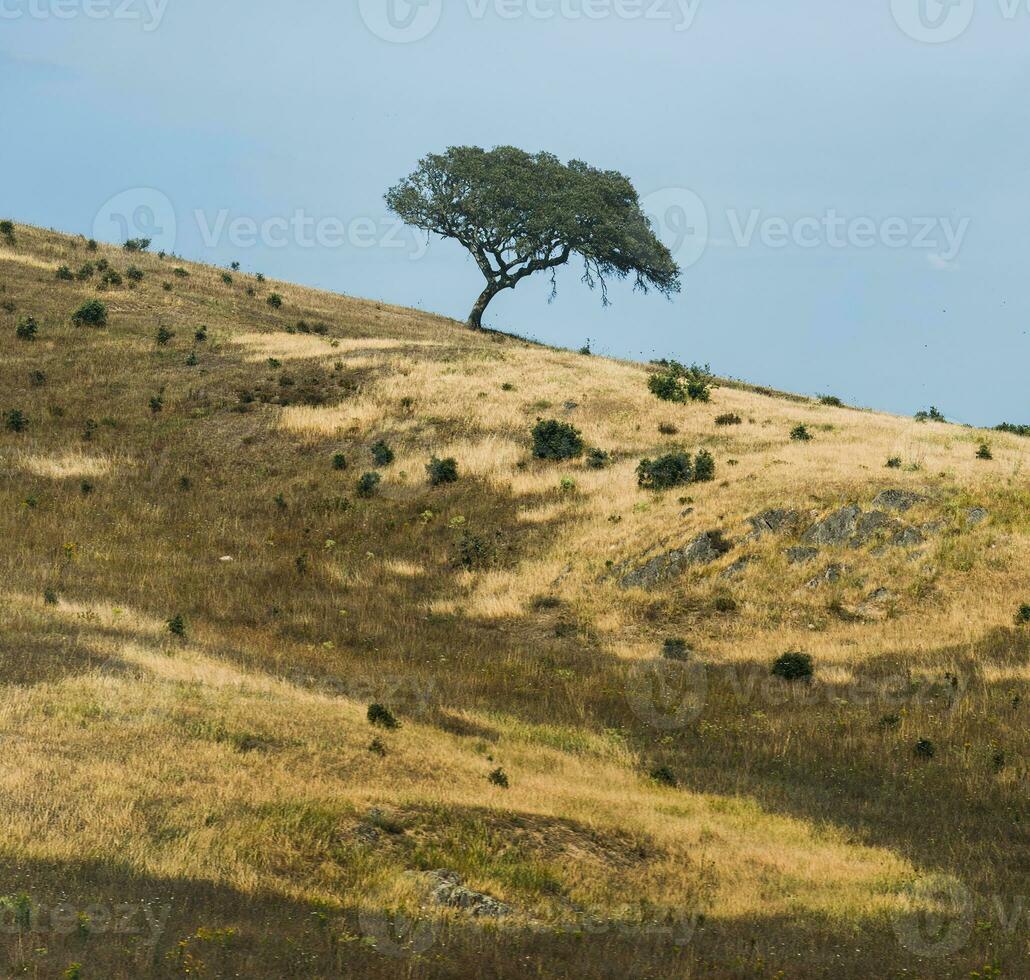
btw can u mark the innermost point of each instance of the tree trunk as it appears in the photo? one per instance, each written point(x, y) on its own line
point(475, 320)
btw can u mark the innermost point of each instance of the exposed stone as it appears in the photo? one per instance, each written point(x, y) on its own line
point(901, 500)
point(837, 529)
point(977, 515)
point(934, 527)
point(449, 890)
point(831, 574)
point(868, 526)
point(703, 550)
point(774, 521)
point(907, 537)
point(801, 555)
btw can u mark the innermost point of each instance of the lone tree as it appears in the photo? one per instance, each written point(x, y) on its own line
point(519, 213)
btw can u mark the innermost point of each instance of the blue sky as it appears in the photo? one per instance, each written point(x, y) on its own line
point(847, 182)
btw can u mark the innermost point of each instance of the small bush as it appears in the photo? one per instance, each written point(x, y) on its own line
point(668, 429)
point(729, 419)
point(382, 717)
point(134, 274)
point(933, 415)
point(37, 379)
point(27, 328)
point(110, 277)
point(664, 776)
point(832, 401)
point(260, 277)
point(725, 604)
point(556, 440)
point(275, 301)
point(16, 420)
point(894, 463)
point(226, 278)
point(163, 335)
point(180, 273)
point(925, 749)
point(50, 597)
point(91, 245)
point(498, 777)
point(442, 471)
point(474, 552)
point(235, 266)
point(1016, 430)
point(137, 245)
point(368, 484)
point(177, 626)
point(678, 383)
point(382, 454)
point(984, 452)
point(793, 667)
point(86, 272)
point(339, 461)
point(200, 335)
point(670, 470)
point(1023, 616)
point(598, 459)
point(64, 274)
point(157, 404)
point(704, 467)
point(102, 264)
point(7, 230)
point(675, 648)
point(800, 433)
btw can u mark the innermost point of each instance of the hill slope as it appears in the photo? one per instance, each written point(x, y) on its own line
point(220, 787)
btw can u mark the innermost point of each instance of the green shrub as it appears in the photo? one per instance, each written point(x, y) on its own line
point(134, 274)
point(235, 266)
point(275, 301)
point(668, 429)
point(670, 470)
point(933, 415)
point(675, 648)
point(177, 626)
point(442, 471)
point(110, 277)
point(91, 245)
point(368, 484)
point(598, 459)
point(37, 379)
point(157, 404)
point(498, 777)
point(200, 335)
point(474, 552)
point(984, 452)
point(894, 463)
point(50, 597)
point(664, 776)
point(64, 274)
point(382, 717)
point(1016, 430)
point(678, 383)
point(832, 401)
point(16, 420)
point(729, 419)
point(137, 245)
point(7, 230)
point(925, 749)
point(86, 272)
point(1023, 616)
point(800, 433)
point(27, 328)
point(556, 440)
point(382, 454)
point(793, 667)
point(180, 273)
point(704, 467)
point(163, 335)
point(339, 461)
point(260, 277)
point(226, 278)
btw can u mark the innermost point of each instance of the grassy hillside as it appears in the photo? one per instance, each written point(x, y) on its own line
point(212, 800)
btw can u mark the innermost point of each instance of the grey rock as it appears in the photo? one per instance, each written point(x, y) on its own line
point(774, 521)
point(907, 537)
point(837, 529)
point(801, 555)
point(901, 500)
point(829, 575)
point(739, 566)
point(880, 595)
point(868, 526)
point(449, 890)
point(570, 406)
point(977, 515)
point(703, 550)
point(933, 527)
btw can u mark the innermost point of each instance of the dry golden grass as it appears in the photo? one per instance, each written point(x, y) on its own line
point(228, 775)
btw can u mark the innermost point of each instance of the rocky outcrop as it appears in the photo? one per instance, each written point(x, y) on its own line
point(703, 550)
point(976, 515)
point(837, 529)
point(450, 891)
point(900, 500)
point(801, 555)
point(774, 521)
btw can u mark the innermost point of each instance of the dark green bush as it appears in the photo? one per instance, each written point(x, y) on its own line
point(64, 274)
point(180, 273)
point(793, 667)
point(668, 429)
point(163, 335)
point(1016, 430)
point(598, 459)
point(729, 419)
point(800, 433)
point(275, 301)
point(177, 626)
point(137, 245)
point(498, 777)
point(556, 440)
point(157, 404)
point(664, 776)
point(894, 463)
point(925, 749)
point(675, 648)
point(16, 420)
point(260, 277)
point(984, 452)
point(670, 470)
point(200, 335)
point(27, 328)
point(134, 274)
point(442, 471)
point(382, 717)
point(1023, 616)
point(368, 484)
point(832, 400)
point(339, 461)
point(86, 272)
point(704, 467)
point(933, 415)
point(226, 278)
point(678, 383)
point(474, 552)
point(110, 277)
point(91, 245)
point(235, 266)
point(382, 454)
point(7, 230)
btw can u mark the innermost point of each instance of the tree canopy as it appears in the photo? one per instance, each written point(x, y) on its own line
point(519, 213)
